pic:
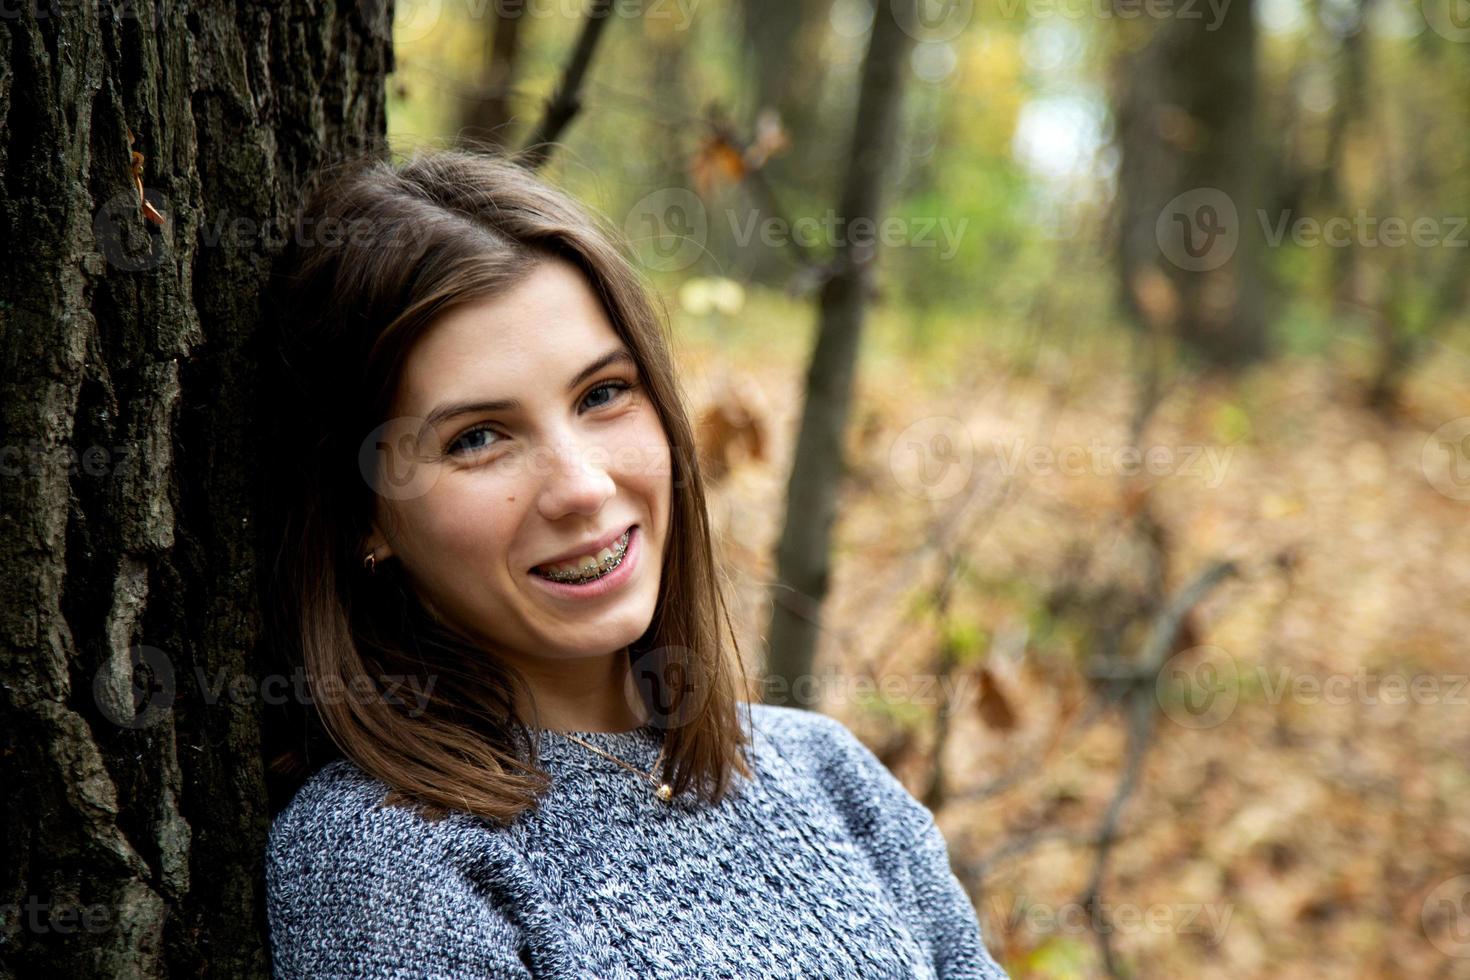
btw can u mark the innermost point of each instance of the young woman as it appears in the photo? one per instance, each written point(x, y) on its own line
point(497, 576)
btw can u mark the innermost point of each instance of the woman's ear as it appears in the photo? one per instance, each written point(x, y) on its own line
point(377, 545)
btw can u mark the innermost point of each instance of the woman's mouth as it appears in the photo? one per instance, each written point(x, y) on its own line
point(587, 568)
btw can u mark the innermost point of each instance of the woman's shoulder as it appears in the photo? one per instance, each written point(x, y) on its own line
point(809, 734)
point(336, 788)
point(802, 729)
point(341, 811)
point(842, 768)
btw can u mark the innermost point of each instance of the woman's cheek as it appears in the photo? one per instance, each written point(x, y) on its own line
point(652, 450)
point(461, 520)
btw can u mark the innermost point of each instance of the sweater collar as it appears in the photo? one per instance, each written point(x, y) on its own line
point(636, 746)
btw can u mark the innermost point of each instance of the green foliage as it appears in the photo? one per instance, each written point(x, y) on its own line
point(965, 641)
point(1057, 958)
point(1231, 423)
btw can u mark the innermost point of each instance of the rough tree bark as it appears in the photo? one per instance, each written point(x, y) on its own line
point(802, 557)
point(135, 812)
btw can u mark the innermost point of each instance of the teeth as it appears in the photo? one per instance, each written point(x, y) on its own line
point(586, 567)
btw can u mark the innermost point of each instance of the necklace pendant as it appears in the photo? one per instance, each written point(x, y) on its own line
point(665, 792)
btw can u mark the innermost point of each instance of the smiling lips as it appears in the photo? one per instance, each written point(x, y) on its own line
point(585, 568)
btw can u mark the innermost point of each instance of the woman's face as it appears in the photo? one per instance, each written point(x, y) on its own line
point(573, 456)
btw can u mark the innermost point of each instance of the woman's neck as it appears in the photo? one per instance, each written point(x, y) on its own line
point(588, 694)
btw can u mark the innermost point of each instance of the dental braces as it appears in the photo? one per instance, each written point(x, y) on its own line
point(605, 566)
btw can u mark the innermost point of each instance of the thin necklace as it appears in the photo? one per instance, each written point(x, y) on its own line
point(662, 790)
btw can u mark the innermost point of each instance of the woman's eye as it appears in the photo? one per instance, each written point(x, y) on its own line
point(477, 439)
point(472, 441)
point(615, 387)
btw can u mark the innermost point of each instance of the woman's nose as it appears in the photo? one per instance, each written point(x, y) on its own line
point(577, 481)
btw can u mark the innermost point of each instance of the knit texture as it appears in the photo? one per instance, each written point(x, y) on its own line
point(824, 866)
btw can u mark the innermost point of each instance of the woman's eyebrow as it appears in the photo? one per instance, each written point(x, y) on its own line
point(443, 413)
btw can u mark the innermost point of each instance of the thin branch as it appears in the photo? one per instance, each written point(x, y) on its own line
point(1142, 714)
point(755, 180)
point(1166, 627)
point(567, 102)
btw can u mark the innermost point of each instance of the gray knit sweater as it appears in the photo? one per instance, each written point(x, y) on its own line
point(824, 867)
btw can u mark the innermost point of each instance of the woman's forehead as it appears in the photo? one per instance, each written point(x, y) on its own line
point(539, 332)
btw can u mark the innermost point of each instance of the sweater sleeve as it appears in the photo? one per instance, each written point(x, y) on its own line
point(904, 834)
point(356, 890)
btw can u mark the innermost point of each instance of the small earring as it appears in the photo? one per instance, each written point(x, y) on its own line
point(371, 563)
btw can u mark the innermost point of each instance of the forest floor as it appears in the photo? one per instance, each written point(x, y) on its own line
point(1303, 807)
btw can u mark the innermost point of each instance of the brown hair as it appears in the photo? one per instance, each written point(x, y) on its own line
point(380, 251)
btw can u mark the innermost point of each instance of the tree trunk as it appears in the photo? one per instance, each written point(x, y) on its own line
point(135, 812)
point(487, 118)
point(785, 71)
point(802, 558)
point(1185, 123)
